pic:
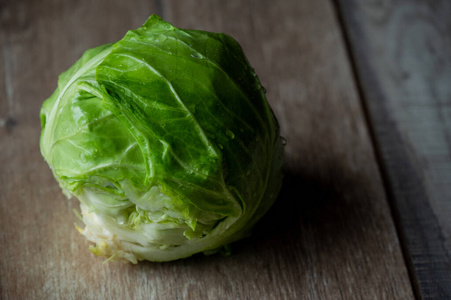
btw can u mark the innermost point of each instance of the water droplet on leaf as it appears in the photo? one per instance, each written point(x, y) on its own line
point(162, 38)
point(197, 55)
point(83, 158)
point(230, 134)
point(210, 135)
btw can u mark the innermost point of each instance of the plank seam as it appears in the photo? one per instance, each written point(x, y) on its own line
point(382, 168)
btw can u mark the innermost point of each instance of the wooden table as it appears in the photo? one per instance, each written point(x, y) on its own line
point(362, 90)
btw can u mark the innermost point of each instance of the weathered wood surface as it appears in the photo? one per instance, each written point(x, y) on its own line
point(330, 235)
point(402, 51)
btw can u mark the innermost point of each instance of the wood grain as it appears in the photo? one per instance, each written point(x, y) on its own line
point(402, 51)
point(330, 234)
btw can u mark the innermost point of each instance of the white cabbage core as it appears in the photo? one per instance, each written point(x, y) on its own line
point(152, 231)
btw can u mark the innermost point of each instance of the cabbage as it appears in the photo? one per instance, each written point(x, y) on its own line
point(167, 140)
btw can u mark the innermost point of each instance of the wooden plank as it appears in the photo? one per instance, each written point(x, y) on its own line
point(329, 235)
point(402, 52)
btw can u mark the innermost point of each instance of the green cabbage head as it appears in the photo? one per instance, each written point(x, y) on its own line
point(167, 140)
